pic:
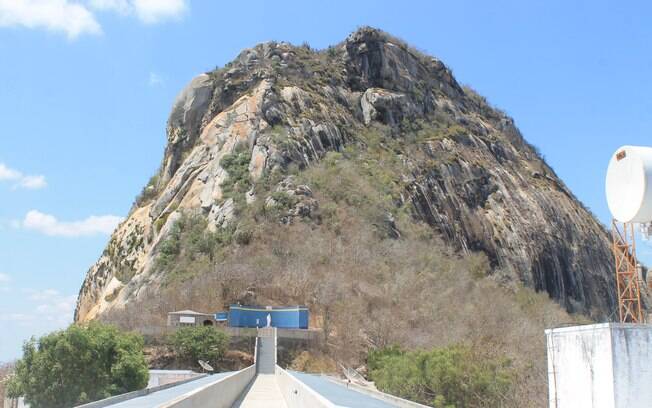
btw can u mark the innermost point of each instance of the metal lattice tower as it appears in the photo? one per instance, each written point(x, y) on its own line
point(627, 279)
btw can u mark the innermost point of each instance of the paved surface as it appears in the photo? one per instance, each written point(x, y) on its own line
point(339, 394)
point(157, 398)
point(262, 393)
point(266, 357)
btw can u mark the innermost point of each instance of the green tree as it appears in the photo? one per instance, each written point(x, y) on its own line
point(450, 377)
point(79, 365)
point(199, 343)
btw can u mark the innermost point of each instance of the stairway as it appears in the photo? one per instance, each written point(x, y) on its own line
point(263, 392)
point(266, 353)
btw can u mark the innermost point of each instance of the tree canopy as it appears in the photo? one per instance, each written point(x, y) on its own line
point(79, 365)
point(199, 342)
point(450, 377)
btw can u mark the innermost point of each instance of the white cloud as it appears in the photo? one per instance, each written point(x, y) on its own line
point(49, 305)
point(32, 182)
point(71, 18)
point(147, 11)
point(50, 225)
point(74, 18)
point(8, 174)
point(155, 79)
point(54, 307)
point(153, 11)
point(40, 295)
point(119, 6)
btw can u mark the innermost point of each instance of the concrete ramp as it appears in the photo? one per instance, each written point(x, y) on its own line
point(274, 387)
point(263, 392)
point(215, 391)
point(266, 351)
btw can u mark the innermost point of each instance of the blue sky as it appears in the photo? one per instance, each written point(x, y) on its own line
point(86, 87)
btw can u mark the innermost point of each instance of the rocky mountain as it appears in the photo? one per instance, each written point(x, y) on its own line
point(363, 181)
point(241, 136)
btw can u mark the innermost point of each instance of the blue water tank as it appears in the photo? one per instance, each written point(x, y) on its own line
point(288, 317)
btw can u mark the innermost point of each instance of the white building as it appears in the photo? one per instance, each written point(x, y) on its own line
point(605, 365)
point(190, 318)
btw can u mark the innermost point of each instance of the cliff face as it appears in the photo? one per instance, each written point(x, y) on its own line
point(279, 109)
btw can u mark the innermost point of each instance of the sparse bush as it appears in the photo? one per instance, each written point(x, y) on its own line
point(6, 370)
point(331, 51)
point(149, 192)
point(189, 245)
point(284, 199)
point(243, 234)
point(313, 362)
point(237, 167)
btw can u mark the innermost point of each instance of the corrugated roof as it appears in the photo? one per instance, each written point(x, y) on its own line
point(191, 312)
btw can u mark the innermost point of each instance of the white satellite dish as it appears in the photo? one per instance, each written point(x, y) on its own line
point(629, 184)
point(206, 366)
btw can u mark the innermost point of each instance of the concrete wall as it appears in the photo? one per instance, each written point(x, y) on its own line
point(221, 394)
point(135, 394)
point(391, 399)
point(299, 334)
point(632, 365)
point(297, 394)
point(600, 366)
point(163, 377)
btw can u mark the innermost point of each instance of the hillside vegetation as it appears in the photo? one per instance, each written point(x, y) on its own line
point(364, 182)
point(373, 275)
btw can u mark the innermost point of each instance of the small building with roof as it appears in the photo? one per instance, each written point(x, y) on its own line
point(190, 318)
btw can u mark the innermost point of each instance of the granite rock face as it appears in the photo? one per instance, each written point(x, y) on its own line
point(479, 184)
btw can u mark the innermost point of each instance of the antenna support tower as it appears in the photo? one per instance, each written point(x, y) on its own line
point(627, 279)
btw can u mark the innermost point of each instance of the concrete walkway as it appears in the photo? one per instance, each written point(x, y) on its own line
point(262, 393)
point(160, 397)
point(339, 394)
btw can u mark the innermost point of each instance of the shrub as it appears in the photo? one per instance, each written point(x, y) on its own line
point(450, 377)
point(313, 362)
point(199, 343)
point(79, 365)
point(237, 166)
point(243, 234)
point(283, 199)
point(190, 244)
point(5, 371)
point(149, 192)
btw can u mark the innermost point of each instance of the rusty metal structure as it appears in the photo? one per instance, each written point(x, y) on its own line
point(627, 273)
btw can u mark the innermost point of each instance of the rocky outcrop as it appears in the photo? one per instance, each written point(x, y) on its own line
point(474, 179)
point(385, 106)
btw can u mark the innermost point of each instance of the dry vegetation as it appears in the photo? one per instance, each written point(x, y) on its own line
point(5, 370)
point(372, 292)
point(371, 275)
